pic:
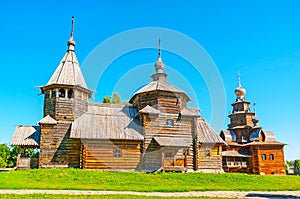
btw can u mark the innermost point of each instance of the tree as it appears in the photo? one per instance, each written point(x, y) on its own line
point(107, 99)
point(115, 99)
point(4, 155)
point(297, 167)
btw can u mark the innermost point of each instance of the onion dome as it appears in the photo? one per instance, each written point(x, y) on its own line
point(240, 91)
point(255, 120)
point(159, 67)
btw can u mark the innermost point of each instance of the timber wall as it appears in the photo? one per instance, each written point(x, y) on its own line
point(99, 154)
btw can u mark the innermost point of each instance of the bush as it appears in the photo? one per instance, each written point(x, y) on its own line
point(2, 163)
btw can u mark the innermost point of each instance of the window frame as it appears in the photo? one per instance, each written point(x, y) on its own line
point(117, 153)
point(170, 122)
point(263, 156)
point(207, 153)
point(272, 157)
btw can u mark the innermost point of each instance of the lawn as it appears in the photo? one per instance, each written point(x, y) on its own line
point(46, 196)
point(132, 181)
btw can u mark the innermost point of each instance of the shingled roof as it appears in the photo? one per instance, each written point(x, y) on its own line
point(206, 134)
point(107, 121)
point(26, 136)
point(68, 71)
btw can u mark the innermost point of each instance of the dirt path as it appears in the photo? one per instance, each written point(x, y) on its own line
point(232, 194)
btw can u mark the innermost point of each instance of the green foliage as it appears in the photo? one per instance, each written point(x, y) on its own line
point(4, 155)
point(8, 156)
point(77, 179)
point(2, 163)
point(118, 196)
point(107, 99)
point(297, 167)
point(290, 163)
point(115, 99)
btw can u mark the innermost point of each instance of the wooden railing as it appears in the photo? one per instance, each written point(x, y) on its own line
point(235, 164)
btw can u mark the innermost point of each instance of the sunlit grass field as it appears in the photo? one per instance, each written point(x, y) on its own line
point(77, 179)
point(48, 196)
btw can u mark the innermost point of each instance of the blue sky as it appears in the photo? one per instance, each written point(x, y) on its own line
point(259, 39)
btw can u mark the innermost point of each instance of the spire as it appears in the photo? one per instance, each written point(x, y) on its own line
point(159, 47)
point(71, 42)
point(239, 80)
point(68, 71)
point(159, 66)
point(72, 29)
point(254, 106)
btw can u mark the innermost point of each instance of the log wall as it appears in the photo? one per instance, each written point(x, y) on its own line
point(268, 166)
point(57, 148)
point(211, 161)
point(99, 154)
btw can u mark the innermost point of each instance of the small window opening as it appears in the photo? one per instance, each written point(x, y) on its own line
point(170, 122)
point(70, 93)
point(62, 93)
point(207, 153)
point(179, 117)
point(117, 153)
point(263, 156)
point(271, 156)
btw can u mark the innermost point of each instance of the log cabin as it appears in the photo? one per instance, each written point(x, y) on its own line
point(156, 131)
point(250, 149)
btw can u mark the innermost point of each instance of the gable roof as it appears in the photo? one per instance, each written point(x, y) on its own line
point(26, 136)
point(107, 121)
point(150, 110)
point(47, 120)
point(206, 134)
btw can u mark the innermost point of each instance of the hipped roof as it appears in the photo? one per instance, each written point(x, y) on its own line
point(68, 72)
point(159, 85)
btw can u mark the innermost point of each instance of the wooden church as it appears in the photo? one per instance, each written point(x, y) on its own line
point(250, 149)
point(157, 131)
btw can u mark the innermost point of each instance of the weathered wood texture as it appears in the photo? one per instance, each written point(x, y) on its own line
point(165, 101)
point(99, 154)
point(66, 109)
point(27, 163)
point(157, 126)
point(210, 157)
point(268, 166)
point(57, 148)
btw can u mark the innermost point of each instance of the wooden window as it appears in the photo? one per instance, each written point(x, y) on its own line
point(62, 92)
point(271, 156)
point(170, 122)
point(263, 156)
point(207, 153)
point(70, 93)
point(117, 153)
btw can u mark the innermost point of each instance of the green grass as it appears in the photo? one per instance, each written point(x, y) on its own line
point(46, 196)
point(77, 179)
